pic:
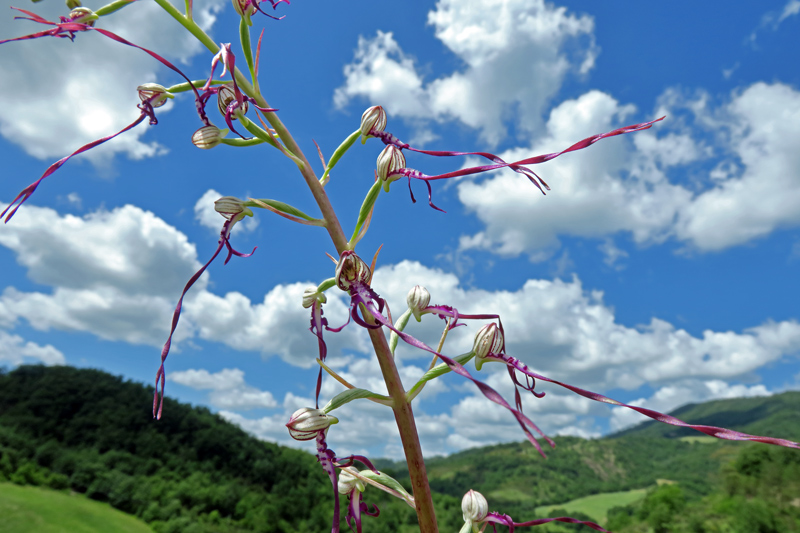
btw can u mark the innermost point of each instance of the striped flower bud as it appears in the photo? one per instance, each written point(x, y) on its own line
point(245, 8)
point(390, 160)
point(474, 507)
point(306, 423)
point(207, 137)
point(348, 482)
point(311, 295)
point(154, 93)
point(489, 339)
point(373, 119)
point(84, 15)
point(351, 269)
point(418, 299)
point(225, 96)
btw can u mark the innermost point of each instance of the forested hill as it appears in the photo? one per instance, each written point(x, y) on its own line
point(192, 471)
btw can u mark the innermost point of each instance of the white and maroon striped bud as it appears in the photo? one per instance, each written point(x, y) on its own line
point(312, 295)
point(154, 93)
point(225, 96)
point(489, 339)
point(306, 423)
point(351, 269)
point(245, 8)
point(390, 160)
point(230, 207)
point(207, 137)
point(474, 507)
point(348, 482)
point(373, 119)
point(418, 299)
point(83, 15)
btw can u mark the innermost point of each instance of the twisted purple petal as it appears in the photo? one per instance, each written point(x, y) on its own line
point(224, 236)
point(531, 160)
point(28, 191)
point(497, 518)
point(326, 459)
point(720, 433)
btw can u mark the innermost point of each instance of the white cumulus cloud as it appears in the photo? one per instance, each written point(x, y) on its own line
point(60, 104)
point(515, 61)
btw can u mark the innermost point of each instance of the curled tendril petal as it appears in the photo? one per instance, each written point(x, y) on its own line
point(327, 459)
point(517, 166)
point(27, 192)
point(713, 431)
point(224, 238)
point(504, 519)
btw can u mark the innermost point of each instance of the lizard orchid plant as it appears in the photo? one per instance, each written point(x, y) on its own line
point(252, 122)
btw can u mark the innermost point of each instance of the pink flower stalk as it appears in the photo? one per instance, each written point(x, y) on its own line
point(517, 166)
point(224, 240)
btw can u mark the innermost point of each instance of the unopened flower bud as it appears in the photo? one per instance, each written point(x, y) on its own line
point(306, 423)
point(373, 119)
point(350, 269)
point(390, 160)
point(489, 339)
point(230, 206)
point(418, 299)
point(474, 506)
point(311, 295)
point(84, 15)
point(225, 96)
point(207, 137)
point(72, 4)
point(348, 482)
point(154, 93)
point(245, 8)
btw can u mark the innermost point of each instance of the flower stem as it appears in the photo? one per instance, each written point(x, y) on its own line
point(404, 417)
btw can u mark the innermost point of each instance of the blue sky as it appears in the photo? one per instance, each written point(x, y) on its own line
point(661, 268)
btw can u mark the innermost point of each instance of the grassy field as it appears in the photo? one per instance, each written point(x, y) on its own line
point(35, 510)
point(596, 505)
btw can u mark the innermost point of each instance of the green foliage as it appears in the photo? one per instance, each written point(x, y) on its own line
point(92, 433)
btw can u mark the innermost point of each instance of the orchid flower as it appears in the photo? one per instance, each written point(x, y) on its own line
point(233, 210)
point(67, 28)
point(373, 122)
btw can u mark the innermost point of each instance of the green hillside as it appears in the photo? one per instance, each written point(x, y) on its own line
point(36, 510)
point(68, 429)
